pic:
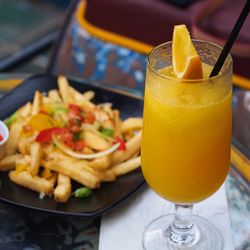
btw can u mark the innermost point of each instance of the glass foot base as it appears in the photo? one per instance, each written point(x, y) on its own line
point(204, 235)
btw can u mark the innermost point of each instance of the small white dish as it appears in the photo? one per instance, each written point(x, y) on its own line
point(4, 132)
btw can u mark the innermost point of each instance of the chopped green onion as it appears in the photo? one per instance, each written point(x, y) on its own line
point(78, 136)
point(107, 131)
point(83, 192)
point(8, 121)
point(60, 110)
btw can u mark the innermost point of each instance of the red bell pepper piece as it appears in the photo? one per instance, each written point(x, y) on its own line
point(74, 120)
point(122, 146)
point(45, 136)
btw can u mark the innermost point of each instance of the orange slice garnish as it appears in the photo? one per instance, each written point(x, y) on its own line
point(186, 61)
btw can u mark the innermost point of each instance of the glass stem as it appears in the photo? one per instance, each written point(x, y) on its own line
point(182, 232)
point(183, 217)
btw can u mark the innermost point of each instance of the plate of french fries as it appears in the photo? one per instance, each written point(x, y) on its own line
point(73, 148)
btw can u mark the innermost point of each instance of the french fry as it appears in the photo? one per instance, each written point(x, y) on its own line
point(86, 105)
point(25, 142)
point(25, 110)
point(54, 153)
point(12, 143)
point(104, 118)
point(78, 97)
point(47, 149)
point(64, 90)
point(80, 175)
point(54, 96)
point(107, 175)
point(24, 160)
point(107, 108)
point(95, 141)
point(101, 163)
point(23, 146)
point(87, 150)
point(103, 175)
point(53, 178)
point(9, 162)
point(45, 100)
point(62, 191)
point(35, 152)
point(88, 95)
point(132, 146)
point(137, 153)
point(36, 103)
point(108, 124)
point(127, 166)
point(117, 123)
point(101, 116)
point(133, 123)
point(34, 183)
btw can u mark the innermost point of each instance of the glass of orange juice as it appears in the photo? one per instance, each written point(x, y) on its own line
point(185, 145)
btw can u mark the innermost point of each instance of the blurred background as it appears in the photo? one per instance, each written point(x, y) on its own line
point(27, 30)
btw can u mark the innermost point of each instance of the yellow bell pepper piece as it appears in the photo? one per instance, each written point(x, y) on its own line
point(40, 122)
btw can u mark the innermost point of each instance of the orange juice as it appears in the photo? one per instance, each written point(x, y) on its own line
point(186, 136)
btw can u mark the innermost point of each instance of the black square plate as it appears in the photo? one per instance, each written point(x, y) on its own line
point(108, 195)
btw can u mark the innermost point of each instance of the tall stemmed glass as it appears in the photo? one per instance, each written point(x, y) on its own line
point(185, 145)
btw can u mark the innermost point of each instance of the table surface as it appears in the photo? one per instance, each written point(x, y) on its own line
point(27, 229)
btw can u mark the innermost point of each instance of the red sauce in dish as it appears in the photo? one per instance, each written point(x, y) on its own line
point(1, 137)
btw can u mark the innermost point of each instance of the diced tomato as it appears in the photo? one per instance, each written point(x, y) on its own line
point(74, 121)
point(79, 145)
point(75, 109)
point(67, 138)
point(75, 129)
point(122, 146)
point(89, 118)
point(45, 136)
point(71, 122)
point(1, 137)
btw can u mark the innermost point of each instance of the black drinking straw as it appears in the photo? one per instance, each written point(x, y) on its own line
point(230, 41)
